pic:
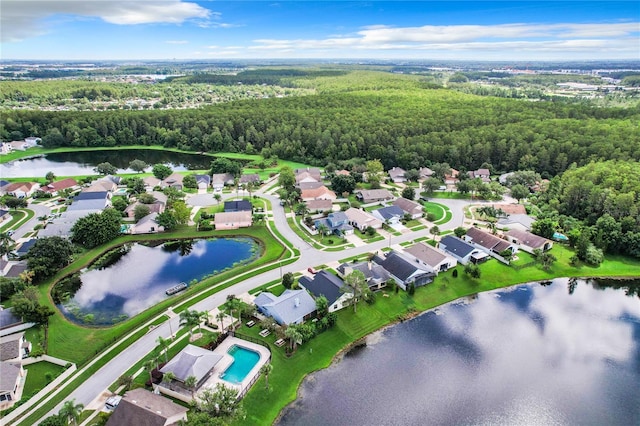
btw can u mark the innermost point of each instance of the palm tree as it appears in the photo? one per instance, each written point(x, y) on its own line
point(435, 231)
point(191, 382)
point(71, 411)
point(220, 317)
point(218, 198)
point(294, 335)
point(6, 244)
point(266, 369)
point(150, 365)
point(202, 316)
point(322, 229)
point(190, 319)
point(249, 187)
point(233, 303)
point(164, 345)
point(125, 380)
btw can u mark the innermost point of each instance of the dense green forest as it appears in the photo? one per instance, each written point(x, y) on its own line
point(404, 121)
point(598, 204)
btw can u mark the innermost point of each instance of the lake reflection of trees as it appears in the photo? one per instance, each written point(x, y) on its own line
point(184, 247)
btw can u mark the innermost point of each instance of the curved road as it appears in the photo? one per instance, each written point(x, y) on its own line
point(119, 364)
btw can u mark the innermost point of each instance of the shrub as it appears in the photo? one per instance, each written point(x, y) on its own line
point(431, 217)
point(455, 273)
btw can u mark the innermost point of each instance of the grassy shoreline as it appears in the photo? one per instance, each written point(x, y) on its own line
point(265, 406)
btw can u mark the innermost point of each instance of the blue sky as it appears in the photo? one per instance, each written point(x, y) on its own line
point(427, 30)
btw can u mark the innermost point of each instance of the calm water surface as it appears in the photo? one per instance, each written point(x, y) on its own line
point(139, 279)
point(82, 162)
point(534, 355)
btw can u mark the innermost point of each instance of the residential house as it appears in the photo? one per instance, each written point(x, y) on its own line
point(147, 225)
point(321, 193)
point(410, 207)
point(11, 377)
point(328, 285)
point(425, 173)
point(203, 181)
point(291, 307)
point(232, 220)
point(529, 242)
point(343, 172)
point(156, 207)
point(90, 201)
point(306, 177)
point(482, 174)
point(397, 175)
point(21, 189)
point(362, 220)
point(238, 206)
point(314, 172)
point(336, 223)
point(24, 248)
point(521, 222)
point(4, 215)
point(32, 141)
point(451, 179)
point(55, 187)
point(3, 186)
point(220, 180)
point(192, 361)
point(309, 185)
point(174, 181)
point(10, 324)
point(510, 208)
point(151, 182)
point(374, 195)
point(462, 251)
point(15, 269)
point(18, 145)
point(5, 148)
point(375, 274)
point(431, 257)
point(319, 205)
point(487, 242)
point(14, 347)
point(404, 271)
point(139, 407)
point(391, 214)
point(102, 185)
point(253, 178)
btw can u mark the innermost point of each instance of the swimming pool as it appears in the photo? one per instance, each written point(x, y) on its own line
point(243, 361)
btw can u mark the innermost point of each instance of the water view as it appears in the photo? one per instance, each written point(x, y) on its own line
point(83, 162)
point(531, 355)
point(140, 277)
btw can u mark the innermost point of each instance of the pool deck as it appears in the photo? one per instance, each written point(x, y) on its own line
point(227, 360)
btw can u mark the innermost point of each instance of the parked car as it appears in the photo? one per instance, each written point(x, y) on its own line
point(312, 271)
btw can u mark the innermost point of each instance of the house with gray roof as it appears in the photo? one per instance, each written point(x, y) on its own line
point(404, 271)
point(238, 206)
point(147, 225)
point(10, 324)
point(462, 251)
point(192, 361)
point(375, 274)
point(14, 347)
point(374, 195)
point(11, 377)
point(431, 257)
point(529, 242)
point(139, 407)
point(291, 307)
point(336, 223)
point(203, 181)
point(521, 222)
point(220, 180)
point(250, 178)
point(390, 214)
point(328, 285)
point(397, 175)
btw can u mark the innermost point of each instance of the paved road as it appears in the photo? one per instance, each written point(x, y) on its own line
point(39, 210)
point(119, 364)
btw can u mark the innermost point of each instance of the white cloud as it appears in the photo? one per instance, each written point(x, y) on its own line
point(511, 39)
point(24, 18)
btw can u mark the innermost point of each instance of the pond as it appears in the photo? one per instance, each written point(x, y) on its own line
point(78, 163)
point(137, 276)
point(530, 355)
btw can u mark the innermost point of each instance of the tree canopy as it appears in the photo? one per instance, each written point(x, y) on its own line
point(97, 228)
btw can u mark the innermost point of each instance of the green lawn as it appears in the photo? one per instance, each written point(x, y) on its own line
point(37, 376)
point(438, 210)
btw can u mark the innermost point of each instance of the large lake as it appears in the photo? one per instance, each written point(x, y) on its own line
point(83, 162)
point(139, 279)
point(534, 355)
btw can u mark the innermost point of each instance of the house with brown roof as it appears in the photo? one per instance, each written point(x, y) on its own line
point(308, 177)
point(410, 207)
point(322, 193)
point(314, 172)
point(139, 407)
point(529, 242)
point(374, 195)
point(451, 178)
point(429, 256)
point(174, 181)
point(220, 180)
point(250, 178)
point(482, 174)
point(362, 220)
point(232, 220)
point(343, 173)
point(21, 189)
point(319, 205)
point(151, 182)
point(487, 242)
point(54, 187)
point(510, 208)
point(425, 173)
